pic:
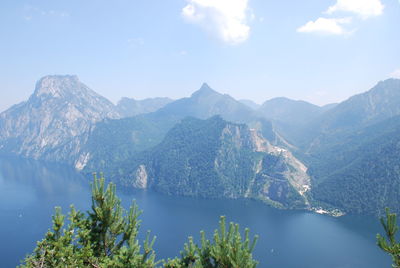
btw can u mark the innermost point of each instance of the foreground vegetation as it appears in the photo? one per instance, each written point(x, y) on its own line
point(107, 236)
point(389, 243)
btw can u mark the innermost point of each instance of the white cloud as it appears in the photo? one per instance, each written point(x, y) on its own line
point(325, 26)
point(226, 19)
point(31, 12)
point(363, 8)
point(395, 74)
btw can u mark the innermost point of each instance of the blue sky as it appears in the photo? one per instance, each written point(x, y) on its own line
point(321, 51)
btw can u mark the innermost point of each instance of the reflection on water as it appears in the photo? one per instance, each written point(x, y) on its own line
point(39, 177)
point(29, 191)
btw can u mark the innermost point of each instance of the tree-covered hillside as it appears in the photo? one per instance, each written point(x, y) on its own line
point(113, 141)
point(351, 151)
point(215, 158)
point(361, 175)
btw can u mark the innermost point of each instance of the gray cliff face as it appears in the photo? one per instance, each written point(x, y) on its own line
point(280, 178)
point(140, 178)
point(54, 122)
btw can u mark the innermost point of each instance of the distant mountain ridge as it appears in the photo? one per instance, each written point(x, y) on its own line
point(251, 104)
point(357, 112)
point(375, 105)
point(144, 131)
point(289, 117)
point(352, 152)
point(128, 107)
point(289, 111)
point(207, 102)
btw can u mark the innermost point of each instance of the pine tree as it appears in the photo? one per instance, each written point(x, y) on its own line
point(389, 244)
point(228, 250)
point(106, 237)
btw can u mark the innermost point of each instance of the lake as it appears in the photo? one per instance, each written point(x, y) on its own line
point(29, 191)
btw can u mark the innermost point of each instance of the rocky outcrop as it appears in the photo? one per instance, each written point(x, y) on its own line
point(140, 178)
point(53, 124)
point(285, 166)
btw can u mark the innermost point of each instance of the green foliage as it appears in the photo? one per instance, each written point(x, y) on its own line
point(212, 158)
point(113, 141)
point(228, 249)
point(389, 244)
point(352, 152)
point(106, 237)
point(367, 164)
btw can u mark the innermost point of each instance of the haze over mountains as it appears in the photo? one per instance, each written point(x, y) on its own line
point(130, 107)
point(291, 154)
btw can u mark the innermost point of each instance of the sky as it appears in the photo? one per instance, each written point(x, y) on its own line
point(321, 51)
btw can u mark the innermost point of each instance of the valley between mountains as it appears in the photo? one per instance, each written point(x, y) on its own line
point(339, 158)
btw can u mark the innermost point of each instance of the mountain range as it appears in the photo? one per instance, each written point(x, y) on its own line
point(287, 153)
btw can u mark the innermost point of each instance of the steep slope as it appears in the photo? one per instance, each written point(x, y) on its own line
point(124, 137)
point(111, 142)
point(130, 107)
point(287, 111)
point(251, 104)
point(352, 152)
point(377, 104)
point(289, 116)
point(362, 175)
point(359, 111)
point(329, 106)
point(215, 158)
point(53, 123)
point(207, 102)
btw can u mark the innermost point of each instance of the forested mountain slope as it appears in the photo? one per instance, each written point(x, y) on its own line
point(215, 158)
point(361, 175)
point(124, 137)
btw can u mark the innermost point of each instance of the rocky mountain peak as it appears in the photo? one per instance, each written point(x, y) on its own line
point(389, 81)
point(57, 85)
point(54, 123)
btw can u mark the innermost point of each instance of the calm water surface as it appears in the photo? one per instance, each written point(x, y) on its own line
point(30, 190)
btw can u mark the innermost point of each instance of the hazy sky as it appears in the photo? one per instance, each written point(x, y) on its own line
point(321, 51)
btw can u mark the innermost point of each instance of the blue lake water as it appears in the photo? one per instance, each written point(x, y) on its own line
point(29, 191)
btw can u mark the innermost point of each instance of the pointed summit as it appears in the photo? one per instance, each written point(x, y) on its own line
point(205, 90)
point(205, 86)
point(207, 102)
